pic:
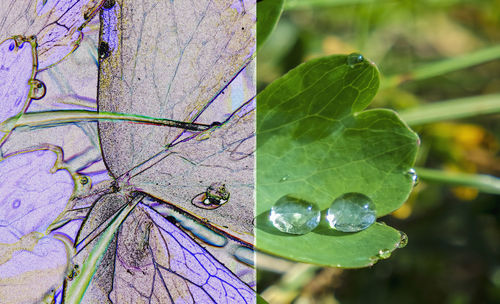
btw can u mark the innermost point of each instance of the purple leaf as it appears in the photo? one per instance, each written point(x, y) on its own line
point(57, 24)
point(17, 68)
point(33, 193)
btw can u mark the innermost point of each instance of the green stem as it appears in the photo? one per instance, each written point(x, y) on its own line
point(77, 289)
point(47, 118)
point(310, 4)
point(452, 109)
point(483, 183)
point(444, 66)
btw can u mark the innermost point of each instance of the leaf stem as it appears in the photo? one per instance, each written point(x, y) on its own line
point(311, 4)
point(47, 118)
point(76, 291)
point(444, 66)
point(483, 183)
point(452, 109)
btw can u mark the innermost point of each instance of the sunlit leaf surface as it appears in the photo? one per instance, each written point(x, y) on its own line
point(315, 140)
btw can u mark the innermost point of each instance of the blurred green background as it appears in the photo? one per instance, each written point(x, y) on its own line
point(453, 254)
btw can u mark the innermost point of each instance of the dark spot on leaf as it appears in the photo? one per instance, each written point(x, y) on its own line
point(108, 4)
point(103, 50)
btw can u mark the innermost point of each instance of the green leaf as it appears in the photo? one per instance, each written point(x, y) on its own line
point(268, 12)
point(315, 140)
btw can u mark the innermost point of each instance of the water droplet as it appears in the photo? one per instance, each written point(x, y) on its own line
point(38, 89)
point(403, 241)
point(12, 46)
point(413, 176)
point(108, 4)
point(294, 215)
point(384, 253)
point(215, 196)
point(103, 50)
point(245, 255)
point(84, 180)
point(74, 272)
point(284, 178)
point(354, 59)
point(351, 212)
point(16, 203)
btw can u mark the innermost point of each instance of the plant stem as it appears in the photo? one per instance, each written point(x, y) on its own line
point(452, 109)
point(76, 291)
point(444, 66)
point(483, 183)
point(310, 4)
point(47, 118)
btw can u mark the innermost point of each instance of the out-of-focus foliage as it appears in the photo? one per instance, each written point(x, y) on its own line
point(453, 255)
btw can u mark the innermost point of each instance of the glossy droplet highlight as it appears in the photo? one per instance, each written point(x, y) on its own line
point(37, 89)
point(351, 212)
point(384, 254)
point(295, 216)
point(413, 175)
point(403, 241)
point(215, 196)
point(354, 59)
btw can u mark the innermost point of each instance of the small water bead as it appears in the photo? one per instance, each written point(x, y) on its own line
point(294, 215)
point(215, 196)
point(354, 59)
point(413, 176)
point(403, 241)
point(38, 89)
point(384, 253)
point(351, 212)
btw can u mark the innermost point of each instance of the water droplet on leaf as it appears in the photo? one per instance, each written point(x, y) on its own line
point(284, 178)
point(215, 196)
point(351, 212)
point(354, 59)
point(403, 241)
point(16, 203)
point(84, 180)
point(294, 215)
point(413, 176)
point(38, 89)
point(384, 253)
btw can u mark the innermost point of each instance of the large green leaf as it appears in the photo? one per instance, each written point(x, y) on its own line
point(315, 140)
point(268, 14)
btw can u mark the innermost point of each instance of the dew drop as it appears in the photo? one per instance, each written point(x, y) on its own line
point(384, 253)
point(295, 216)
point(244, 255)
point(84, 180)
point(413, 176)
point(38, 89)
point(74, 272)
point(403, 241)
point(284, 178)
point(351, 212)
point(354, 59)
point(16, 203)
point(215, 196)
